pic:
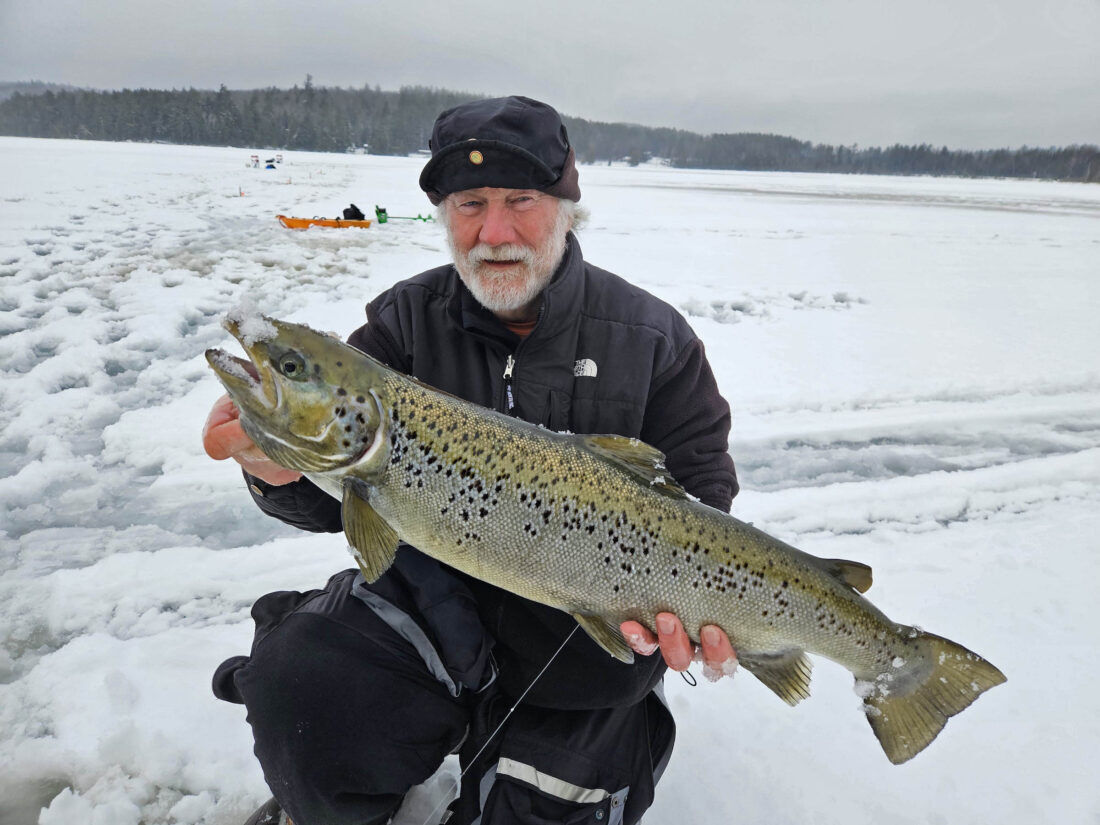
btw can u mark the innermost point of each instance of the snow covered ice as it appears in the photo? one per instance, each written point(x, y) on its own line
point(914, 374)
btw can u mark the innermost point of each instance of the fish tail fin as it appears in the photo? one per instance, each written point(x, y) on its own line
point(908, 707)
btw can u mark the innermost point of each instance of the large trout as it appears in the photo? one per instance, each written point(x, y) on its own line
point(590, 524)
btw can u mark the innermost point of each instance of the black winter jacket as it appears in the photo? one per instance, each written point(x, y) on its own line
point(604, 357)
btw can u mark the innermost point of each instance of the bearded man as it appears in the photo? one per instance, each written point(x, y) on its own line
point(356, 692)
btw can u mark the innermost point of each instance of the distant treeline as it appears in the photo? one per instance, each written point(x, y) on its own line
point(328, 119)
point(33, 87)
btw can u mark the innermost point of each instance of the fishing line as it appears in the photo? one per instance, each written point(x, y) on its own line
point(550, 661)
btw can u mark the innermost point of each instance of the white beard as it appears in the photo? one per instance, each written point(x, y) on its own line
point(521, 284)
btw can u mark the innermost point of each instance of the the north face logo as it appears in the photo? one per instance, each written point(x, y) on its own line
point(584, 368)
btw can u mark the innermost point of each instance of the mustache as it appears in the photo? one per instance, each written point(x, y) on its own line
point(504, 252)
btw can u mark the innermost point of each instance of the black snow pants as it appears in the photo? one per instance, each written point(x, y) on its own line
point(351, 706)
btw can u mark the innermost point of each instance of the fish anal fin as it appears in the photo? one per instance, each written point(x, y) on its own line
point(606, 636)
point(787, 674)
point(374, 542)
point(908, 708)
point(853, 573)
point(638, 458)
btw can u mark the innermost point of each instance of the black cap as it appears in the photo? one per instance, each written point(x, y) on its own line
point(508, 142)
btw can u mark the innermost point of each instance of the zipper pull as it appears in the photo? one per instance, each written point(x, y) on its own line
point(509, 401)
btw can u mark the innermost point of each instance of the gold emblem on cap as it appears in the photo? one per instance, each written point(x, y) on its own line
point(476, 158)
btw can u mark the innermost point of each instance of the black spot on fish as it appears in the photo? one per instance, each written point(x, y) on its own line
point(341, 390)
point(360, 398)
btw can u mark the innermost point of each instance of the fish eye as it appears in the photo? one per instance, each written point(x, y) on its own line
point(291, 365)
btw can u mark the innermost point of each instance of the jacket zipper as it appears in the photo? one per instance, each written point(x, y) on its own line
point(509, 399)
point(509, 368)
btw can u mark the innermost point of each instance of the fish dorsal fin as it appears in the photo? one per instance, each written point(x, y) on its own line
point(787, 674)
point(638, 458)
point(373, 540)
point(852, 573)
point(606, 636)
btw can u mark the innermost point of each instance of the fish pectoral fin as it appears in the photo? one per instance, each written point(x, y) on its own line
point(852, 573)
point(606, 636)
point(637, 458)
point(373, 540)
point(787, 674)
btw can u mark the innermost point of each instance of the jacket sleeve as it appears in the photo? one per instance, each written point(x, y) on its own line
point(303, 504)
point(689, 421)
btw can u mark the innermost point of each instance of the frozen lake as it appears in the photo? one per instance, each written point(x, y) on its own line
point(914, 370)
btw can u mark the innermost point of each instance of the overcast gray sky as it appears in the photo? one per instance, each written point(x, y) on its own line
point(964, 73)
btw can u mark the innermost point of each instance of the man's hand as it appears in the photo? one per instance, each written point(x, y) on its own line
point(223, 437)
point(718, 656)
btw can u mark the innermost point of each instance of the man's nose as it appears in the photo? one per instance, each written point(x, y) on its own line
point(498, 227)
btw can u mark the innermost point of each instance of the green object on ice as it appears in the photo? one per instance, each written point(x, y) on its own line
point(383, 216)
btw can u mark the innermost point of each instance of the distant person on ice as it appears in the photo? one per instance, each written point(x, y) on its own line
point(355, 692)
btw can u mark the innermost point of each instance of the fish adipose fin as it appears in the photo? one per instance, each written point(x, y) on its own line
point(787, 674)
point(637, 458)
point(852, 573)
point(606, 636)
point(374, 541)
point(909, 707)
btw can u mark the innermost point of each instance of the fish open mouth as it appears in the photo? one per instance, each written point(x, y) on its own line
point(242, 376)
point(239, 368)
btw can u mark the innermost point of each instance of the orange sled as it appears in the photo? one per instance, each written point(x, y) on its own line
point(332, 223)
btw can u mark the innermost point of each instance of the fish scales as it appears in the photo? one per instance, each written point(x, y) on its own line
point(592, 525)
point(504, 501)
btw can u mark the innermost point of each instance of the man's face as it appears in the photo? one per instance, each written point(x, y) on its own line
point(506, 243)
